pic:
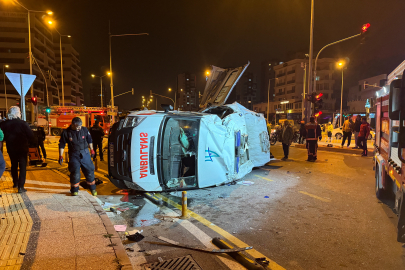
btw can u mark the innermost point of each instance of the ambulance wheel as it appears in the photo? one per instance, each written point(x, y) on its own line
point(55, 132)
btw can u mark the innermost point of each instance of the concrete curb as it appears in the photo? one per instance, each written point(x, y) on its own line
point(336, 149)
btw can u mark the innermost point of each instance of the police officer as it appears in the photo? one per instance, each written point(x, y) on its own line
point(78, 139)
point(97, 134)
point(314, 133)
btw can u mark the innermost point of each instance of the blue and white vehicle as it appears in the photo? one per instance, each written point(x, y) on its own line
point(177, 150)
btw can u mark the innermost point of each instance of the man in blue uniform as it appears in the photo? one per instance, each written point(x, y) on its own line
point(78, 139)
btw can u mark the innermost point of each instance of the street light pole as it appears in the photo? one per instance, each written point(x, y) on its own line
point(341, 100)
point(101, 91)
point(311, 52)
point(111, 78)
point(5, 87)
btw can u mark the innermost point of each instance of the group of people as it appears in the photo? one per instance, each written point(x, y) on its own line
point(19, 136)
point(361, 130)
point(311, 132)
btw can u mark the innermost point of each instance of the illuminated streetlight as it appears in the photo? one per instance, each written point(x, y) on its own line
point(50, 22)
point(49, 12)
point(101, 85)
point(170, 89)
point(342, 65)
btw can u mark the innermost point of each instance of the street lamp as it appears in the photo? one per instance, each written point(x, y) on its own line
point(101, 85)
point(111, 70)
point(61, 60)
point(5, 87)
point(29, 45)
point(341, 64)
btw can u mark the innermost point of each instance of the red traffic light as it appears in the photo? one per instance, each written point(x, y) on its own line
point(318, 114)
point(34, 100)
point(319, 96)
point(365, 27)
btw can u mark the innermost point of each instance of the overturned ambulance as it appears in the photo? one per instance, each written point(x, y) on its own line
point(176, 150)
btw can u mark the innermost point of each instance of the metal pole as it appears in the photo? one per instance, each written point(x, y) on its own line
point(311, 52)
point(268, 101)
point(101, 90)
point(5, 88)
point(61, 70)
point(175, 99)
point(341, 100)
point(111, 76)
point(303, 91)
point(30, 56)
point(22, 99)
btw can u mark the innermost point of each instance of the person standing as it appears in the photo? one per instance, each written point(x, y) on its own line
point(17, 135)
point(363, 135)
point(347, 131)
point(97, 134)
point(79, 140)
point(303, 132)
point(313, 134)
point(330, 130)
point(40, 134)
point(356, 130)
point(287, 135)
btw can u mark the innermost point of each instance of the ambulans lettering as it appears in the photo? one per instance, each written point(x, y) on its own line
point(143, 151)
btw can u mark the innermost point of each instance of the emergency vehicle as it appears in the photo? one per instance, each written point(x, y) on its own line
point(61, 117)
point(389, 156)
point(176, 150)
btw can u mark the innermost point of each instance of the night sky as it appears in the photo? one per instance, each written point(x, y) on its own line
point(189, 36)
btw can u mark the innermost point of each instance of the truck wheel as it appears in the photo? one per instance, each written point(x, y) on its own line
point(338, 136)
point(56, 132)
point(380, 192)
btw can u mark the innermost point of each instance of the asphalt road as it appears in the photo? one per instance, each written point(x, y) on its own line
point(300, 215)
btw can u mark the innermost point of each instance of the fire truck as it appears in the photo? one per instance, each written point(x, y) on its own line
point(389, 159)
point(60, 117)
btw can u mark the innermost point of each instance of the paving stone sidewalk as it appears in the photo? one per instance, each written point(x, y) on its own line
point(46, 228)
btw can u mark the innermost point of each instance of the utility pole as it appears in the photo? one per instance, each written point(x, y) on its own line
point(311, 52)
point(303, 91)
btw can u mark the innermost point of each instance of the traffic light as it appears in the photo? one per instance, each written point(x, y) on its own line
point(48, 110)
point(364, 29)
point(318, 104)
point(34, 100)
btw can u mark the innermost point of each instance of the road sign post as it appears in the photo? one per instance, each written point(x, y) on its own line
point(21, 83)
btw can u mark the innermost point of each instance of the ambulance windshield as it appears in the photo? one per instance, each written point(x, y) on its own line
point(179, 152)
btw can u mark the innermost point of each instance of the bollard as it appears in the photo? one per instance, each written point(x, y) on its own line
point(66, 157)
point(184, 205)
point(95, 165)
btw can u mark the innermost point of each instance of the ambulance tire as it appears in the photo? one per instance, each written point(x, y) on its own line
point(380, 192)
point(56, 132)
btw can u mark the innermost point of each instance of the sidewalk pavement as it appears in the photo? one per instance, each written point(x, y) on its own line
point(46, 228)
point(337, 146)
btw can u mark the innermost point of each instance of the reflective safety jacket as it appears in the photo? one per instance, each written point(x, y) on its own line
point(77, 140)
point(313, 131)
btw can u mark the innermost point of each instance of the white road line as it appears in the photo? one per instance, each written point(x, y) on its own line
point(204, 239)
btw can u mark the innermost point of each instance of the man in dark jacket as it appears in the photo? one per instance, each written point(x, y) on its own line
point(356, 130)
point(78, 139)
point(97, 134)
point(313, 134)
point(40, 134)
point(363, 135)
point(17, 135)
point(287, 135)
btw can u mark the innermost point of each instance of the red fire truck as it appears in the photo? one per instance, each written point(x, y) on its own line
point(61, 117)
point(389, 159)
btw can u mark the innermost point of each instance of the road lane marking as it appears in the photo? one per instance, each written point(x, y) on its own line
point(239, 243)
point(315, 197)
point(263, 178)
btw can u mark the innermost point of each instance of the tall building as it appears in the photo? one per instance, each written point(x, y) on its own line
point(14, 47)
point(72, 74)
point(95, 95)
point(245, 91)
point(289, 87)
point(186, 93)
point(14, 54)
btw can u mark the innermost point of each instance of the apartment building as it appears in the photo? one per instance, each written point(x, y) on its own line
point(267, 77)
point(187, 98)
